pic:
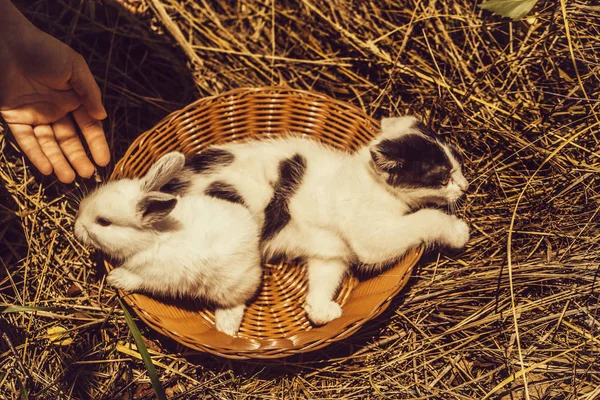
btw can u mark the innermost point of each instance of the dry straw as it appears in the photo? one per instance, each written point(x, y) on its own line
point(519, 98)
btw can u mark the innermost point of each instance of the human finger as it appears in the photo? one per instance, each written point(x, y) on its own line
point(47, 141)
point(29, 145)
point(85, 85)
point(94, 136)
point(68, 140)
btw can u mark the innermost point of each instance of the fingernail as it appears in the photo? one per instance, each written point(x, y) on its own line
point(66, 177)
point(103, 114)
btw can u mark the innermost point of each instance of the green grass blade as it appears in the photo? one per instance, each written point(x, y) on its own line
point(515, 9)
point(10, 308)
point(24, 394)
point(141, 347)
point(16, 309)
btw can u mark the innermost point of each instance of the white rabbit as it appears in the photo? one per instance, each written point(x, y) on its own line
point(194, 246)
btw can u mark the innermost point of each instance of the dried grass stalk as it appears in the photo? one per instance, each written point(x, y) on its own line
point(520, 99)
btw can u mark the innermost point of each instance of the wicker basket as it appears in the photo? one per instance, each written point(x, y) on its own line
point(275, 324)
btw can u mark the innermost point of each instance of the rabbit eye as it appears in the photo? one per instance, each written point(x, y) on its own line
point(102, 221)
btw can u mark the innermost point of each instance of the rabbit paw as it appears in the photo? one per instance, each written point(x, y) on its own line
point(123, 279)
point(321, 314)
point(228, 320)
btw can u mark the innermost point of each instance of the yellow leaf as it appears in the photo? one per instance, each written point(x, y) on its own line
point(59, 336)
point(564, 75)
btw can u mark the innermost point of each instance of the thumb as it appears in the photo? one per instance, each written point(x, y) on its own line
point(86, 87)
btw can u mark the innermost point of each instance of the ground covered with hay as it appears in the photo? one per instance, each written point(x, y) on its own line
point(513, 316)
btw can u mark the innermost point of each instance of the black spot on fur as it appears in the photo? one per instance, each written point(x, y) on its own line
point(277, 212)
point(209, 160)
point(175, 186)
point(224, 191)
point(364, 271)
point(412, 161)
point(455, 153)
point(425, 129)
point(277, 258)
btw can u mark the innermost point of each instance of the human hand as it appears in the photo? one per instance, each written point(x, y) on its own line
point(45, 89)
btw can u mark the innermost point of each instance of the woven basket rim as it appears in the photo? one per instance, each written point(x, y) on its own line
point(233, 92)
point(265, 350)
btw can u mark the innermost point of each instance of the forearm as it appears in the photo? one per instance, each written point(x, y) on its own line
point(15, 32)
point(12, 23)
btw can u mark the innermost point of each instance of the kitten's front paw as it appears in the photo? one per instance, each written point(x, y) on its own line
point(458, 234)
point(123, 279)
point(321, 314)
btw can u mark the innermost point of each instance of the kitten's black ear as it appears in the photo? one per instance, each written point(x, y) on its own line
point(394, 127)
point(154, 207)
point(396, 154)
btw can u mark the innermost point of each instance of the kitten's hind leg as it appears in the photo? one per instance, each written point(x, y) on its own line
point(228, 320)
point(324, 277)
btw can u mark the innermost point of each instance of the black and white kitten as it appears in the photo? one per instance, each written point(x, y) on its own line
point(334, 208)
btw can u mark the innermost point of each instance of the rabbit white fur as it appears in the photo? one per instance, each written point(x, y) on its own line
point(193, 246)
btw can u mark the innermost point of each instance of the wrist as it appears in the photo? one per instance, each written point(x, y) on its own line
point(13, 24)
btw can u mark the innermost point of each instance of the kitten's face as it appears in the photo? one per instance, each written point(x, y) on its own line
point(415, 162)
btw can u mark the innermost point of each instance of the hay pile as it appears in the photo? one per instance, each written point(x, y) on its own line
point(513, 316)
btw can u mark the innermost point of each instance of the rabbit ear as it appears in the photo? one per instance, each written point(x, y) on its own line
point(154, 207)
point(163, 170)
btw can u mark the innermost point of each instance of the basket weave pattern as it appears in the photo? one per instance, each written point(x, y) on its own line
point(275, 324)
